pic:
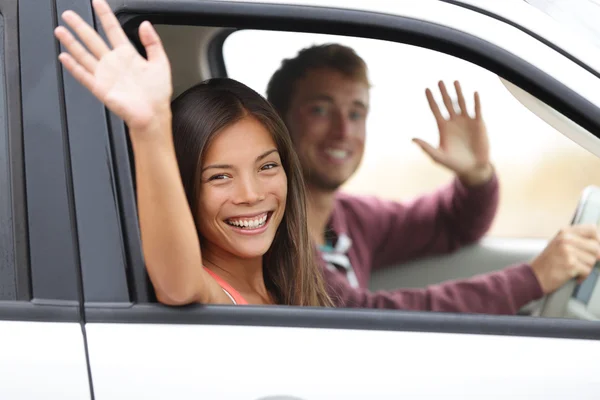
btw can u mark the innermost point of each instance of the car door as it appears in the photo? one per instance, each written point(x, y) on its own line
point(137, 348)
point(42, 346)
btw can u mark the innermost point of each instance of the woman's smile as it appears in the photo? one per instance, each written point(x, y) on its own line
point(250, 224)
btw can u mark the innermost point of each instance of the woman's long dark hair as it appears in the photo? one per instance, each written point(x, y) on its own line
point(290, 272)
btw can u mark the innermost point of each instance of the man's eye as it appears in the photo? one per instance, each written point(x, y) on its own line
point(356, 116)
point(318, 110)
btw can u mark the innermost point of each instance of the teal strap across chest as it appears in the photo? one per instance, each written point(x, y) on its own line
point(336, 258)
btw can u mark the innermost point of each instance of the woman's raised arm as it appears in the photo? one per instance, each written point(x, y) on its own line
point(139, 91)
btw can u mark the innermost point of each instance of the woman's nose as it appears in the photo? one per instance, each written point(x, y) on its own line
point(249, 191)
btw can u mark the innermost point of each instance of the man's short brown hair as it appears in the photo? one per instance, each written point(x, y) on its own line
point(335, 56)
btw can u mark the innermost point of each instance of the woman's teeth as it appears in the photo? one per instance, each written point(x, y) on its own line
point(248, 223)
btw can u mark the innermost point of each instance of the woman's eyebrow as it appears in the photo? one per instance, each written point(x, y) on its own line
point(266, 153)
point(228, 166)
point(217, 166)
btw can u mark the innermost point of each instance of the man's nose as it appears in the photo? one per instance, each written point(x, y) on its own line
point(341, 126)
point(249, 191)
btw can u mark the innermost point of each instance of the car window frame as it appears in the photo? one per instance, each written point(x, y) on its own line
point(13, 279)
point(53, 247)
point(336, 21)
point(47, 275)
point(101, 250)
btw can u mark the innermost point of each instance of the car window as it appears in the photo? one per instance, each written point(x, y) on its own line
point(542, 172)
point(6, 224)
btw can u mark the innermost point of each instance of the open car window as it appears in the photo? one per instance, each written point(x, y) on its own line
point(541, 169)
point(192, 62)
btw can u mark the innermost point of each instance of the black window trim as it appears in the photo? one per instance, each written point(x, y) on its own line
point(64, 304)
point(101, 248)
point(52, 231)
point(354, 23)
point(363, 319)
point(16, 276)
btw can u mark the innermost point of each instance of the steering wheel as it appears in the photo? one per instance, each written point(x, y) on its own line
point(587, 212)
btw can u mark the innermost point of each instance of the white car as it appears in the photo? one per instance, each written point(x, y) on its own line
point(78, 319)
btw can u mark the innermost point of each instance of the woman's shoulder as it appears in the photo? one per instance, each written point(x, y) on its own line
point(233, 294)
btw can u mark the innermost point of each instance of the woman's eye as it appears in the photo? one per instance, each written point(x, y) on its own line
point(268, 166)
point(218, 177)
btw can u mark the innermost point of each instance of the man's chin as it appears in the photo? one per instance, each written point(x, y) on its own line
point(325, 184)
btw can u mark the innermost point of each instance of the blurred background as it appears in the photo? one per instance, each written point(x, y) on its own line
point(542, 173)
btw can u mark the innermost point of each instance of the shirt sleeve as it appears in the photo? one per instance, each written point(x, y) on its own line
point(437, 223)
point(501, 292)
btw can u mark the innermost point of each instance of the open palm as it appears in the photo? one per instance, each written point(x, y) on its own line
point(132, 87)
point(463, 146)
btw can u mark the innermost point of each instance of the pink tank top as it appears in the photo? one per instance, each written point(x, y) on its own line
point(227, 288)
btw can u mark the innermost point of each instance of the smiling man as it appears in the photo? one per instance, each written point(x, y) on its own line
point(323, 96)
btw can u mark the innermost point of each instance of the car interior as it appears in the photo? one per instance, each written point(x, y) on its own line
point(196, 53)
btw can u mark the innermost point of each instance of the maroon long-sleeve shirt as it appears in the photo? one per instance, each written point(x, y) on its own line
point(385, 232)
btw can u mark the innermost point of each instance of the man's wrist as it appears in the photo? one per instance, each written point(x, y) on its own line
point(478, 176)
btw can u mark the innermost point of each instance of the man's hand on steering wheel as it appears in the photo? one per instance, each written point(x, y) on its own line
point(572, 253)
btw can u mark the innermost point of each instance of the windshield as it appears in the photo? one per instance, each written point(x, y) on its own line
point(579, 16)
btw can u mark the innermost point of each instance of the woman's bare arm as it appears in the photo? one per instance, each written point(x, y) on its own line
point(169, 238)
point(139, 91)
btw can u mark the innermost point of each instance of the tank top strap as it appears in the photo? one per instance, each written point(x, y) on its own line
point(227, 288)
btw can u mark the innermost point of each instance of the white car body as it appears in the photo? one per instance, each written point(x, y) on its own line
point(253, 353)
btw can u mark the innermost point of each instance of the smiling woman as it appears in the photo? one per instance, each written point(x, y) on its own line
point(220, 195)
point(243, 184)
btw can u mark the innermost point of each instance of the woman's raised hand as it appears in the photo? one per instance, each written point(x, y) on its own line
point(137, 90)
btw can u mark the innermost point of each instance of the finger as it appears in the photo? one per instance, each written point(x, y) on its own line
point(581, 271)
point(435, 154)
point(586, 230)
point(585, 257)
point(447, 99)
point(439, 118)
point(86, 34)
point(152, 42)
point(78, 71)
point(477, 106)
point(75, 49)
point(110, 24)
point(583, 276)
point(461, 99)
point(588, 246)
